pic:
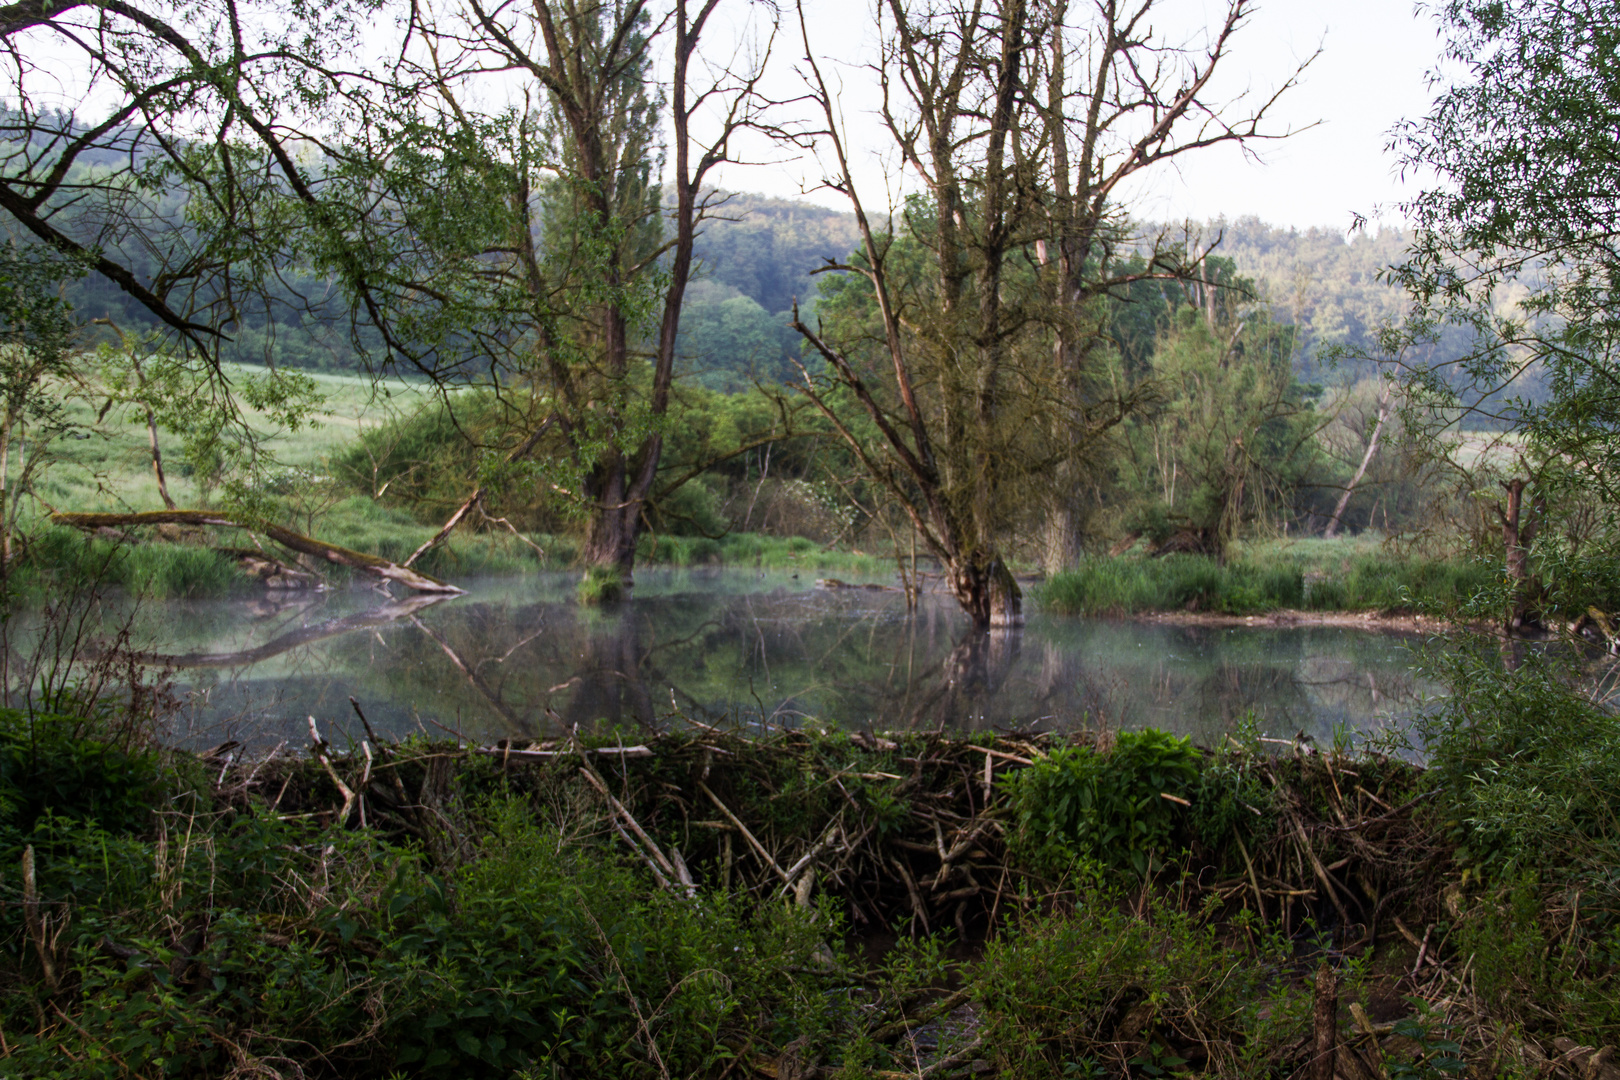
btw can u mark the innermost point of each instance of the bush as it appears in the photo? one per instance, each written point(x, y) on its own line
point(1077, 803)
point(52, 765)
point(257, 944)
point(1268, 582)
point(601, 585)
point(60, 559)
point(1094, 992)
point(1529, 768)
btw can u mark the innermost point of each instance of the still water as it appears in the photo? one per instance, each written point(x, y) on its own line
point(517, 657)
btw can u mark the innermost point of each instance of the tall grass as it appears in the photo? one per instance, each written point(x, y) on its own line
point(758, 550)
point(1245, 586)
point(59, 558)
point(56, 557)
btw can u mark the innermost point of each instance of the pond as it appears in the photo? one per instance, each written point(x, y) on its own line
point(518, 657)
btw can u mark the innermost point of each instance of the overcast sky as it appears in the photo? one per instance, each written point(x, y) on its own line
point(1370, 75)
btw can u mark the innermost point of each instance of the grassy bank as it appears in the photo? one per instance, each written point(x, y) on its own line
point(56, 557)
point(705, 905)
point(1309, 575)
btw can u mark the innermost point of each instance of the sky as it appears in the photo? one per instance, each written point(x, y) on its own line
point(1369, 76)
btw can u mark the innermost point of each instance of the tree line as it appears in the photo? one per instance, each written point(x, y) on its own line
point(998, 360)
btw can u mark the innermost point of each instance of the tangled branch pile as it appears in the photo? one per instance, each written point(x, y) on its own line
point(706, 904)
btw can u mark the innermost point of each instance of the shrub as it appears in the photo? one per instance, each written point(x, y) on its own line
point(1077, 803)
point(1097, 991)
point(258, 945)
point(1529, 768)
point(50, 764)
point(601, 585)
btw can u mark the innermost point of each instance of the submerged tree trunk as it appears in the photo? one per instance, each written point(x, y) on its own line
point(615, 527)
point(987, 591)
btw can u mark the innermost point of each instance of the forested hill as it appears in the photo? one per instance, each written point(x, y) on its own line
point(1316, 280)
point(757, 257)
point(757, 263)
point(765, 249)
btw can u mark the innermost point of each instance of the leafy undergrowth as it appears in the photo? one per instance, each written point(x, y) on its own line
point(805, 905)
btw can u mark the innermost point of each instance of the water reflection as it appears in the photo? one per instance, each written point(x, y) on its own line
point(519, 658)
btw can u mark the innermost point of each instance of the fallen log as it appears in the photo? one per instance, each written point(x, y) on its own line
point(304, 545)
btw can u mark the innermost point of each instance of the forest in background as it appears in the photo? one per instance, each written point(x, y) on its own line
point(757, 257)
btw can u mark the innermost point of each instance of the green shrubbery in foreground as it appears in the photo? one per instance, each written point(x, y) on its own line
point(1246, 586)
point(180, 924)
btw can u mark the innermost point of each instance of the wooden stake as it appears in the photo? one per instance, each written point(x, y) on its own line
point(1325, 1023)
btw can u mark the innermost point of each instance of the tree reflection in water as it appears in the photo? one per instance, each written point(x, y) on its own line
point(519, 658)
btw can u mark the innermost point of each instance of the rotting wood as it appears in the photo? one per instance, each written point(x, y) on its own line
point(759, 849)
point(618, 808)
point(1325, 1023)
point(604, 751)
point(35, 921)
point(304, 545)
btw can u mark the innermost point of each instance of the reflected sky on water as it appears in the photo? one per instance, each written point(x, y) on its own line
point(518, 657)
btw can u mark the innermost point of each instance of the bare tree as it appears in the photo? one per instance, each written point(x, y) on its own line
point(985, 382)
point(1376, 433)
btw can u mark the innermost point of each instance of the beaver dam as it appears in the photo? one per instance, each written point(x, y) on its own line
point(700, 904)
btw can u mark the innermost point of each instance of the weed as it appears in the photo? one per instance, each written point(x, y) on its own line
point(1432, 1056)
point(601, 585)
point(50, 766)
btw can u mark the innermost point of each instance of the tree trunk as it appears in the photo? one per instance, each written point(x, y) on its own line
point(1517, 536)
point(1366, 459)
point(5, 466)
point(157, 461)
point(987, 591)
point(304, 545)
point(615, 526)
point(1060, 547)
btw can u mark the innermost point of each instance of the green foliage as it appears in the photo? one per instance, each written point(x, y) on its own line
point(1432, 1056)
point(1174, 582)
point(1063, 991)
point(182, 393)
point(1247, 585)
point(1078, 803)
point(61, 558)
point(56, 766)
point(36, 328)
point(1228, 435)
point(1528, 767)
point(1230, 801)
point(338, 954)
point(601, 585)
point(729, 342)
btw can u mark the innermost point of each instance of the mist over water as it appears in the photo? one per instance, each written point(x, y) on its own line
point(519, 658)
